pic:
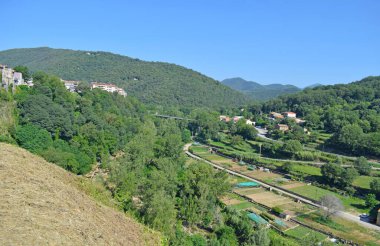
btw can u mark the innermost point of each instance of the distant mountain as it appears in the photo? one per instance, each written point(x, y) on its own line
point(257, 91)
point(156, 83)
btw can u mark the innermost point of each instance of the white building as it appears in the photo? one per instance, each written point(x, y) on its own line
point(71, 85)
point(249, 122)
point(108, 87)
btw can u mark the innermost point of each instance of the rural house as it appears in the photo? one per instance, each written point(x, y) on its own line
point(282, 127)
point(108, 87)
point(290, 114)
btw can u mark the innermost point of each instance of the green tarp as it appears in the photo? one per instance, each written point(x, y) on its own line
point(256, 218)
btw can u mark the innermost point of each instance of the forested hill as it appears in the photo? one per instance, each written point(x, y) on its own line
point(350, 111)
point(151, 82)
point(257, 91)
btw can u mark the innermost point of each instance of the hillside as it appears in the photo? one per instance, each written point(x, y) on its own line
point(350, 112)
point(152, 82)
point(42, 204)
point(257, 91)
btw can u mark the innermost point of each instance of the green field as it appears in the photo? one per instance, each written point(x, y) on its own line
point(314, 192)
point(307, 169)
point(242, 205)
point(301, 232)
point(364, 181)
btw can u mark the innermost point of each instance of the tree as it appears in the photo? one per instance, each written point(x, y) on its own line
point(330, 205)
point(226, 236)
point(33, 138)
point(291, 147)
point(375, 187)
point(246, 131)
point(362, 165)
point(371, 201)
point(348, 177)
point(200, 188)
point(235, 140)
point(261, 238)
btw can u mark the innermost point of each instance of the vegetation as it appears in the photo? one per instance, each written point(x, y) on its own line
point(147, 173)
point(151, 82)
point(257, 91)
point(332, 204)
point(349, 112)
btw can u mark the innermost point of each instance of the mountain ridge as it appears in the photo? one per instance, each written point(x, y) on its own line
point(157, 83)
point(258, 91)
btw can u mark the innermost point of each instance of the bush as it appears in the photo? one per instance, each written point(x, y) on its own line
point(33, 138)
point(277, 210)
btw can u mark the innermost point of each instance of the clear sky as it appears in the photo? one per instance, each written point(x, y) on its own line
point(298, 42)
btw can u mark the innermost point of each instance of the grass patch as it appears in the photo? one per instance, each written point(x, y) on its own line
point(307, 169)
point(242, 205)
point(314, 192)
point(301, 232)
point(323, 221)
point(364, 181)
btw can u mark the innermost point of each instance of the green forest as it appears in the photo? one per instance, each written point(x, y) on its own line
point(349, 112)
point(257, 91)
point(155, 83)
point(149, 176)
point(151, 179)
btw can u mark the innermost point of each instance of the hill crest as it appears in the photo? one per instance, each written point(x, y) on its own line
point(156, 83)
point(258, 91)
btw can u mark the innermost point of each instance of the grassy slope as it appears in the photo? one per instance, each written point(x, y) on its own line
point(43, 204)
point(152, 82)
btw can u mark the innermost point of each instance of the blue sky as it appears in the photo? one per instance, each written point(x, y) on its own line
point(273, 41)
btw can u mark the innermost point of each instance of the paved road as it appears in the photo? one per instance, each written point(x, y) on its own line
point(340, 213)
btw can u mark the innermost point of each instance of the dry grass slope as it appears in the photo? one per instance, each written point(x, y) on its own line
point(42, 205)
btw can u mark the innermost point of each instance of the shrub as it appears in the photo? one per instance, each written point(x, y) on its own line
point(277, 210)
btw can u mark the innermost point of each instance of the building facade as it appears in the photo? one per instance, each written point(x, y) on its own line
point(108, 87)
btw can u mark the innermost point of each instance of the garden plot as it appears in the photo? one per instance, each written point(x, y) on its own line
point(295, 209)
point(248, 191)
point(292, 185)
point(238, 168)
point(270, 199)
point(230, 201)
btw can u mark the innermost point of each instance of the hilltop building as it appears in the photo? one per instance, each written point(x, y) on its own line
point(10, 78)
point(108, 87)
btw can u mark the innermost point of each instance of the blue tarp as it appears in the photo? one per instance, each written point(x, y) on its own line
point(248, 184)
point(256, 218)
